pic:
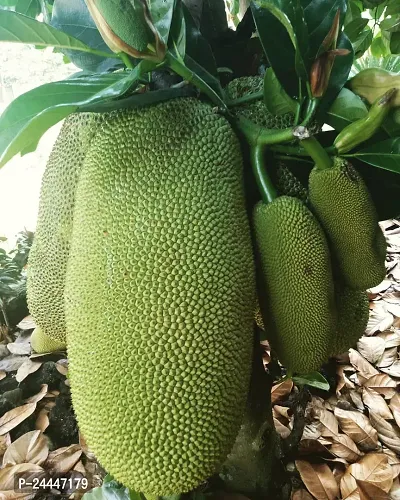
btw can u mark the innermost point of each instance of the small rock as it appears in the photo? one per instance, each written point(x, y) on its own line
point(11, 363)
point(3, 351)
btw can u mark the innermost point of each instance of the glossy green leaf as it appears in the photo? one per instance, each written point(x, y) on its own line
point(354, 28)
point(112, 490)
point(290, 14)
point(347, 108)
point(363, 42)
point(26, 119)
point(275, 98)
point(313, 379)
point(16, 27)
point(393, 8)
point(319, 16)
point(385, 155)
point(353, 12)
point(30, 8)
point(161, 14)
point(8, 3)
point(73, 17)
point(213, 22)
point(177, 34)
point(395, 43)
point(378, 47)
point(390, 24)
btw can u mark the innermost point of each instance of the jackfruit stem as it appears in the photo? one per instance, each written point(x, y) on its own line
point(255, 96)
point(187, 74)
point(125, 59)
point(256, 135)
point(264, 183)
point(317, 152)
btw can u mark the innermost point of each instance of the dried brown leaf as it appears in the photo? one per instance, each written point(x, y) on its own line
point(318, 479)
point(382, 384)
point(42, 421)
point(392, 339)
point(369, 491)
point(301, 495)
point(344, 447)
point(282, 412)
point(27, 367)
point(28, 323)
point(281, 391)
point(5, 442)
point(356, 399)
point(379, 322)
point(388, 358)
point(328, 423)
point(15, 416)
point(374, 468)
point(393, 460)
point(364, 368)
point(382, 287)
point(62, 366)
point(393, 370)
point(375, 402)
point(3, 374)
point(393, 308)
point(313, 447)
point(31, 447)
point(358, 428)
point(7, 480)
point(62, 460)
point(394, 405)
point(281, 429)
point(387, 433)
point(371, 348)
point(39, 396)
point(394, 493)
point(311, 431)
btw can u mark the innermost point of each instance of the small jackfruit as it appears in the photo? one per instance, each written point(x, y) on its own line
point(255, 111)
point(288, 184)
point(47, 262)
point(298, 278)
point(352, 318)
point(161, 273)
point(341, 201)
point(41, 342)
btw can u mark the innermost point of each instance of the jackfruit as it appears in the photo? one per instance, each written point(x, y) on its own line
point(47, 261)
point(255, 111)
point(352, 318)
point(41, 342)
point(288, 184)
point(298, 279)
point(344, 207)
point(161, 273)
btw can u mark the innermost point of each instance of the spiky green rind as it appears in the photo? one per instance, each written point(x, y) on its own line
point(298, 278)
point(352, 313)
point(47, 262)
point(161, 275)
point(288, 184)
point(341, 201)
point(41, 342)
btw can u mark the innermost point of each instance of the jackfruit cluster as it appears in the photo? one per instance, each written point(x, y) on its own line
point(343, 205)
point(160, 294)
point(47, 262)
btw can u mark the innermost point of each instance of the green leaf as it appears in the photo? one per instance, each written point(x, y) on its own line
point(177, 34)
point(385, 155)
point(347, 108)
point(395, 43)
point(73, 17)
point(390, 24)
point(29, 8)
point(26, 119)
point(390, 63)
point(112, 490)
point(393, 8)
point(161, 14)
point(313, 379)
point(363, 42)
point(275, 98)
point(16, 27)
point(8, 3)
point(353, 12)
point(290, 14)
point(378, 47)
point(354, 28)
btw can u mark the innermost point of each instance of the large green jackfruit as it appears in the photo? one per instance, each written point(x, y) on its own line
point(161, 274)
point(47, 262)
point(344, 207)
point(352, 318)
point(41, 342)
point(299, 286)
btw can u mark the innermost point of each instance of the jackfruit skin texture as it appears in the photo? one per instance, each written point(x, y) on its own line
point(353, 313)
point(342, 203)
point(161, 272)
point(47, 261)
point(255, 111)
point(288, 184)
point(297, 272)
point(41, 342)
